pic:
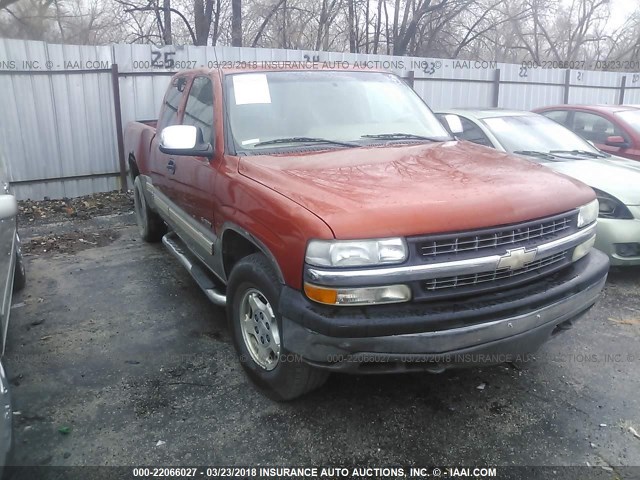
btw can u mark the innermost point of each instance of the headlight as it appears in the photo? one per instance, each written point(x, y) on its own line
point(588, 213)
point(611, 207)
point(358, 296)
point(349, 253)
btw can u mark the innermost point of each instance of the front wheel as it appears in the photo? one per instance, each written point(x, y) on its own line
point(256, 327)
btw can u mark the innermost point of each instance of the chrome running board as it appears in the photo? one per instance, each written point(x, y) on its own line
point(192, 264)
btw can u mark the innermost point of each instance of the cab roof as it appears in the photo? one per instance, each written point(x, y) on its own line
point(278, 66)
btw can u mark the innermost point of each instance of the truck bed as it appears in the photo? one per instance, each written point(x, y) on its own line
point(137, 141)
point(149, 123)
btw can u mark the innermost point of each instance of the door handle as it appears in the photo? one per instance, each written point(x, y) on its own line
point(171, 166)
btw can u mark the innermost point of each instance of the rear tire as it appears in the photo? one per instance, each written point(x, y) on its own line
point(253, 295)
point(150, 224)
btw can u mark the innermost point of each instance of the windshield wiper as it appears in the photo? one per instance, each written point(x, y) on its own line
point(403, 136)
point(580, 152)
point(305, 140)
point(534, 153)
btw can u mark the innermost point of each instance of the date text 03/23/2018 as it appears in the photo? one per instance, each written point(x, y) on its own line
point(315, 472)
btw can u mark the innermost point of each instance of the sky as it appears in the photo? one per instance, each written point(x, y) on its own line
point(620, 11)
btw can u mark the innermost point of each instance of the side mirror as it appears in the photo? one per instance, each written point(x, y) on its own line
point(184, 140)
point(8, 207)
point(616, 141)
point(454, 123)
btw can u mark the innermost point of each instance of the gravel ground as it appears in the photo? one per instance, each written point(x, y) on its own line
point(116, 358)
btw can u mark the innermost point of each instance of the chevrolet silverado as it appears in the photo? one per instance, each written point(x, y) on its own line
point(345, 230)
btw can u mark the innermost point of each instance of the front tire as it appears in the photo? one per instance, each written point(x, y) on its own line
point(150, 224)
point(256, 327)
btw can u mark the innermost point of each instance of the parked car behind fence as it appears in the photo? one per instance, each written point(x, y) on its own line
point(614, 129)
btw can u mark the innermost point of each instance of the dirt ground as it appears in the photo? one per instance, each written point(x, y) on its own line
point(116, 358)
point(58, 225)
point(69, 209)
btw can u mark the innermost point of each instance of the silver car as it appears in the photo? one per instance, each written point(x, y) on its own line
point(12, 278)
point(615, 180)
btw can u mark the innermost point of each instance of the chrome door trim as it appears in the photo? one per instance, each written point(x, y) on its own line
point(179, 219)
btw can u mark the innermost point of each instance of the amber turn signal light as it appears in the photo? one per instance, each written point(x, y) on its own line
point(322, 295)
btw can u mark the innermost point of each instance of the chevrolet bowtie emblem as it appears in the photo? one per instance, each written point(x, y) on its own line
point(517, 258)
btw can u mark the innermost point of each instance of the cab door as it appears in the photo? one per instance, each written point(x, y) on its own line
point(192, 182)
point(161, 164)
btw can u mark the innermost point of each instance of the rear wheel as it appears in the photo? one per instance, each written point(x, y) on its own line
point(256, 327)
point(150, 224)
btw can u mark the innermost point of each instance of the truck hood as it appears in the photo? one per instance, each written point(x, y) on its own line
point(614, 175)
point(412, 190)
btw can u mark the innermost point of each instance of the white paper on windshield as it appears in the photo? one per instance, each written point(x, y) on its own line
point(251, 88)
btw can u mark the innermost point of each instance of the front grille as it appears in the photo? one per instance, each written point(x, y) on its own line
point(469, 244)
point(537, 267)
point(452, 247)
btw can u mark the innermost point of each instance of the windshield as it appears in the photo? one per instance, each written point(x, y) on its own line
point(310, 107)
point(535, 133)
point(631, 117)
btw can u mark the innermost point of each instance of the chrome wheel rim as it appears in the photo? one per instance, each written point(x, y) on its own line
point(141, 214)
point(259, 329)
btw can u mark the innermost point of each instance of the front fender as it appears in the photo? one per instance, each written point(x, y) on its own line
point(280, 235)
point(230, 226)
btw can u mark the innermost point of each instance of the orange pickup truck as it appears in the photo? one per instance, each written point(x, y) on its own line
point(345, 230)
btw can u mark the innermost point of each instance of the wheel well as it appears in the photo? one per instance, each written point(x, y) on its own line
point(234, 248)
point(133, 167)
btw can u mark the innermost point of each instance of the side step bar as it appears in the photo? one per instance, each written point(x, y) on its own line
point(192, 264)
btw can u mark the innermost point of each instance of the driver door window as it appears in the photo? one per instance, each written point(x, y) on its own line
point(169, 114)
point(199, 109)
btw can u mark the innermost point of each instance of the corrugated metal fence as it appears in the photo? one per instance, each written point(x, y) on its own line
point(59, 125)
